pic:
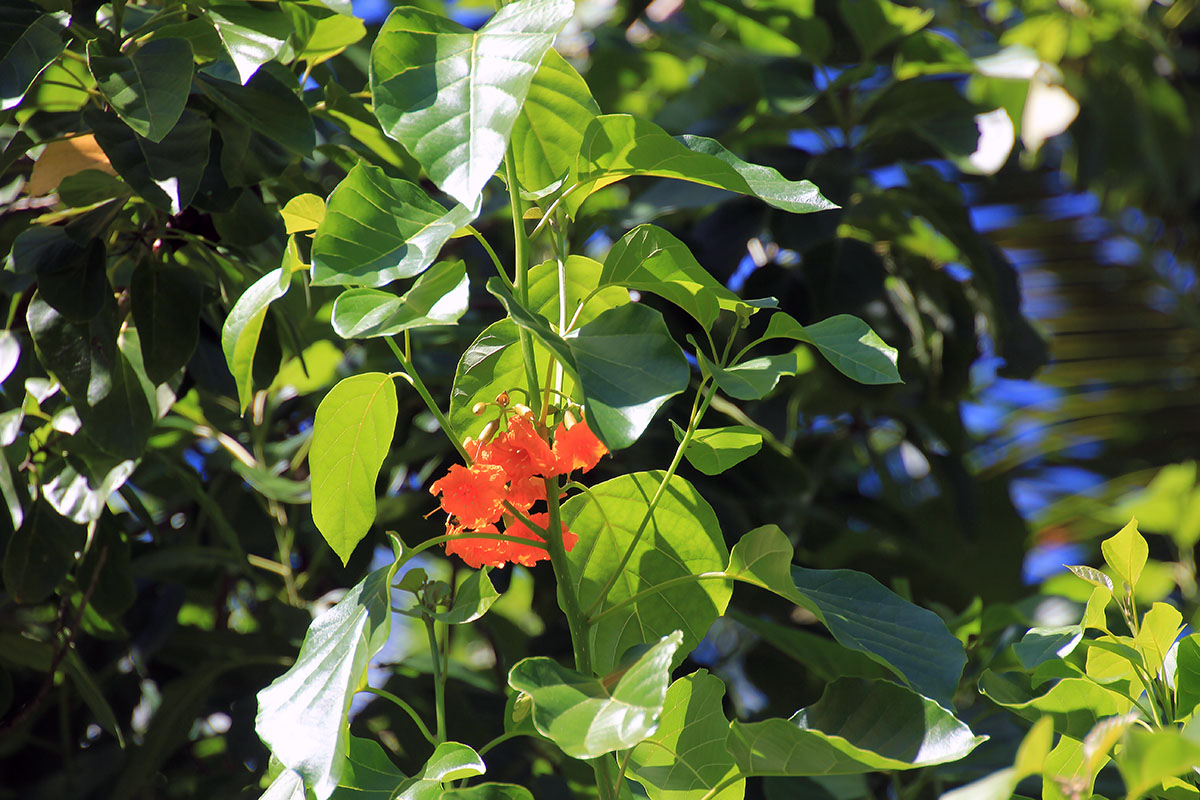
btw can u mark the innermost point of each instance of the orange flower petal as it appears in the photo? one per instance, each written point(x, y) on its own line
point(577, 448)
point(473, 494)
point(522, 452)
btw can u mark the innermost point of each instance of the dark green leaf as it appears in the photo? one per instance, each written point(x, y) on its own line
point(71, 276)
point(79, 495)
point(547, 133)
point(1187, 675)
point(252, 35)
point(588, 717)
point(857, 726)
point(302, 714)
point(92, 695)
point(269, 106)
point(166, 173)
point(148, 88)
point(451, 95)
point(369, 774)
point(378, 229)
point(89, 187)
point(239, 335)
point(824, 657)
point(1039, 645)
point(860, 613)
point(489, 791)
point(617, 146)
point(686, 756)
point(36, 47)
point(439, 297)
point(472, 599)
point(95, 374)
point(165, 301)
point(681, 538)
point(352, 434)
point(847, 343)
point(714, 450)
point(40, 553)
point(1076, 704)
point(450, 761)
point(877, 23)
point(757, 377)
point(929, 53)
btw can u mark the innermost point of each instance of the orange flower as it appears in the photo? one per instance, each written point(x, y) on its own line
point(522, 452)
point(577, 448)
point(473, 494)
point(524, 493)
point(477, 552)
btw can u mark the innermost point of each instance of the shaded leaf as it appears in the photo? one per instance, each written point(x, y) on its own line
point(755, 378)
point(38, 44)
point(439, 297)
point(588, 717)
point(166, 301)
point(1000, 785)
point(451, 95)
point(40, 553)
point(302, 714)
point(1039, 645)
point(251, 34)
point(875, 24)
point(378, 229)
point(147, 88)
point(862, 614)
point(369, 773)
point(472, 599)
point(856, 726)
point(1187, 675)
point(847, 343)
point(352, 434)
point(681, 538)
point(1076, 704)
point(72, 277)
point(243, 326)
point(489, 791)
point(268, 105)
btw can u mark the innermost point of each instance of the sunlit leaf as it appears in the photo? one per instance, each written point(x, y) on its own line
point(1039, 645)
point(148, 88)
point(451, 95)
point(847, 343)
point(302, 714)
point(239, 335)
point(588, 716)
point(251, 34)
point(1148, 757)
point(38, 44)
point(472, 599)
point(1126, 552)
point(714, 450)
point(303, 212)
point(439, 297)
point(352, 434)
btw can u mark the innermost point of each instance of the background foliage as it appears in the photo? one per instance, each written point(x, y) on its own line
point(156, 168)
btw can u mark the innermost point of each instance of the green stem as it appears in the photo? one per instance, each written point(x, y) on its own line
point(410, 375)
point(723, 785)
point(407, 709)
point(439, 686)
point(699, 406)
point(568, 597)
point(501, 739)
point(521, 273)
point(492, 255)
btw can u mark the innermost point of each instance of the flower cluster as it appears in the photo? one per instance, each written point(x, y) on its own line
point(509, 471)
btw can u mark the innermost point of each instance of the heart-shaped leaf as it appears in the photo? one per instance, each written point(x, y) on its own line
point(451, 95)
point(714, 450)
point(588, 717)
point(252, 35)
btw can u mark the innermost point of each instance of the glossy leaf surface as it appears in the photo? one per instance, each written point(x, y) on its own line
point(847, 343)
point(714, 450)
point(147, 88)
point(439, 297)
point(239, 336)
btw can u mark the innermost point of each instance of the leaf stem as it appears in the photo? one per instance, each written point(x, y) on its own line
point(410, 375)
point(699, 406)
point(521, 272)
point(407, 709)
point(492, 255)
point(567, 597)
point(439, 685)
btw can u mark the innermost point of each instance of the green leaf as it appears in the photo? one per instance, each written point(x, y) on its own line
point(365, 135)
point(1149, 757)
point(1126, 553)
point(38, 44)
point(1093, 576)
point(625, 362)
point(90, 187)
point(72, 277)
point(714, 450)
point(686, 756)
point(1187, 675)
point(617, 146)
point(825, 658)
point(303, 212)
point(1076, 704)
point(451, 95)
point(1039, 645)
point(92, 695)
point(439, 297)
point(863, 615)
point(166, 173)
point(368, 774)
point(352, 434)
point(929, 53)
point(650, 259)
point(40, 553)
point(489, 791)
point(1000, 785)
point(252, 35)
point(450, 761)
point(240, 333)
point(755, 378)
point(330, 36)
point(1158, 630)
point(549, 130)
point(582, 283)
point(96, 375)
point(857, 726)
point(847, 343)
point(875, 24)
point(288, 785)
point(79, 495)
point(10, 354)
point(302, 714)
point(472, 599)
point(588, 717)
point(378, 229)
point(681, 538)
point(268, 105)
point(166, 301)
point(491, 365)
point(148, 88)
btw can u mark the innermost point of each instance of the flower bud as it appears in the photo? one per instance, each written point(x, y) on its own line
point(502, 399)
point(522, 410)
point(479, 408)
point(488, 432)
point(570, 420)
